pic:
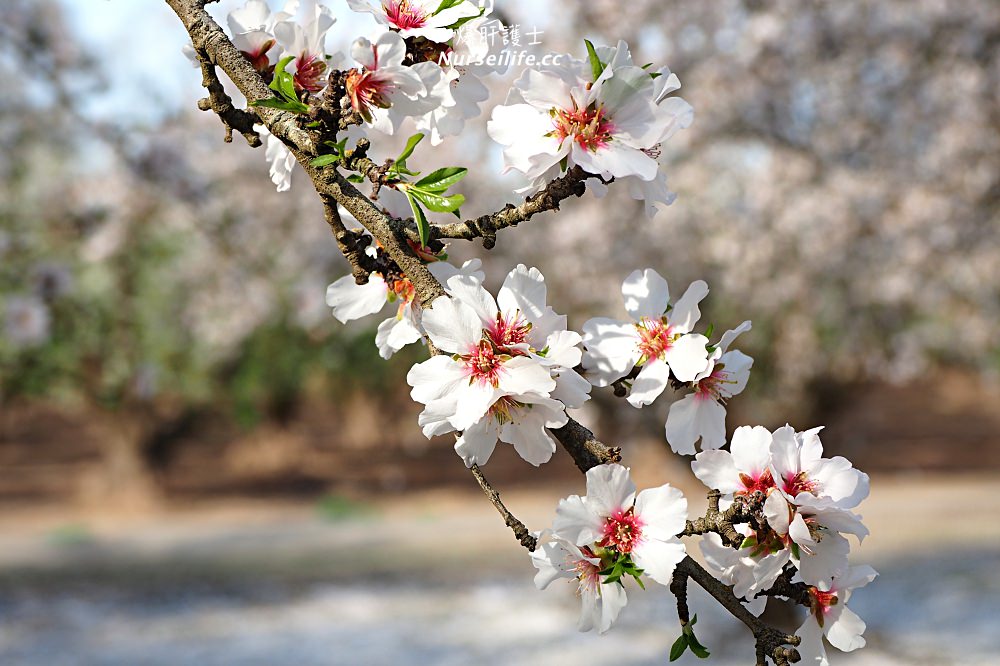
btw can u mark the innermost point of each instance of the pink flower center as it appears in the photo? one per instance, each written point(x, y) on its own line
point(403, 15)
point(821, 602)
point(367, 91)
point(713, 386)
point(761, 482)
point(586, 572)
point(793, 484)
point(403, 290)
point(655, 337)
point(483, 364)
point(588, 127)
point(258, 57)
point(309, 70)
point(622, 531)
point(509, 330)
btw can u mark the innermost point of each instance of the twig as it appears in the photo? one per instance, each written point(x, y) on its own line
point(525, 537)
point(222, 104)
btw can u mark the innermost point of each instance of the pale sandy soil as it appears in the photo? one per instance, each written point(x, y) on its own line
point(436, 579)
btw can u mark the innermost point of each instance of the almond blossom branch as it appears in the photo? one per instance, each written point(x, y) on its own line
point(524, 537)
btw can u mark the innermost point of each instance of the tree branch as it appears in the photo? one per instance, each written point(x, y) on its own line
point(525, 537)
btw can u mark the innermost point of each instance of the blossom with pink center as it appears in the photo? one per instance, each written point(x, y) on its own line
point(805, 477)
point(556, 558)
point(702, 414)
point(350, 301)
point(829, 616)
point(672, 114)
point(613, 518)
point(561, 116)
point(518, 322)
point(459, 390)
point(743, 470)
point(419, 18)
point(813, 536)
point(301, 32)
point(383, 82)
point(251, 27)
point(657, 340)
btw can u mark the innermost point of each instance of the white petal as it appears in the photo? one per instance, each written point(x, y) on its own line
point(687, 356)
point(350, 300)
point(452, 326)
point(692, 417)
point(650, 383)
point(393, 334)
point(729, 336)
point(663, 511)
point(751, 448)
point(716, 470)
point(811, 648)
point(646, 294)
point(613, 600)
point(476, 444)
point(844, 633)
point(686, 313)
point(472, 401)
point(576, 523)
point(658, 558)
point(737, 371)
point(777, 513)
point(611, 350)
point(524, 374)
point(523, 289)
point(435, 378)
point(470, 291)
point(609, 489)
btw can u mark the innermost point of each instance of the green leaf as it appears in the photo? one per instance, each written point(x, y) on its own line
point(324, 160)
point(677, 649)
point(411, 143)
point(446, 4)
point(356, 178)
point(437, 202)
point(462, 21)
point(711, 329)
point(596, 66)
point(699, 650)
point(440, 180)
point(749, 542)
point(418, 216)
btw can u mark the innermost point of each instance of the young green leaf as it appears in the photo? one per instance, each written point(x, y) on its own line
point(447, 4)
point(324, 160)
point(596, 66)
point(711, 329)
point(437, 202)
point(423, 228)
point(411, 143)
point(677, 649)
point(440, 180)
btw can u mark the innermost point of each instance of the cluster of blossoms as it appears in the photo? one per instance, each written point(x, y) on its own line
point(807, 504)
point(658, 347)
point(438, 87)
point(606, 115)
point(611, 533)
point(506, 368)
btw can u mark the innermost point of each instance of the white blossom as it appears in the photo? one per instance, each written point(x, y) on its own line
point(612, 516)
point(702, 414)
point(601, 602)
point(658, 341)
point(829, 616)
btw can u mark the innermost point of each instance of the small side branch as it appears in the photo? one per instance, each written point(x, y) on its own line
point(525, 537)
point(222, 104)
point(720, 522)
point(352, 243)
point(770, 642)
point(486, 226)
point(586, 450)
